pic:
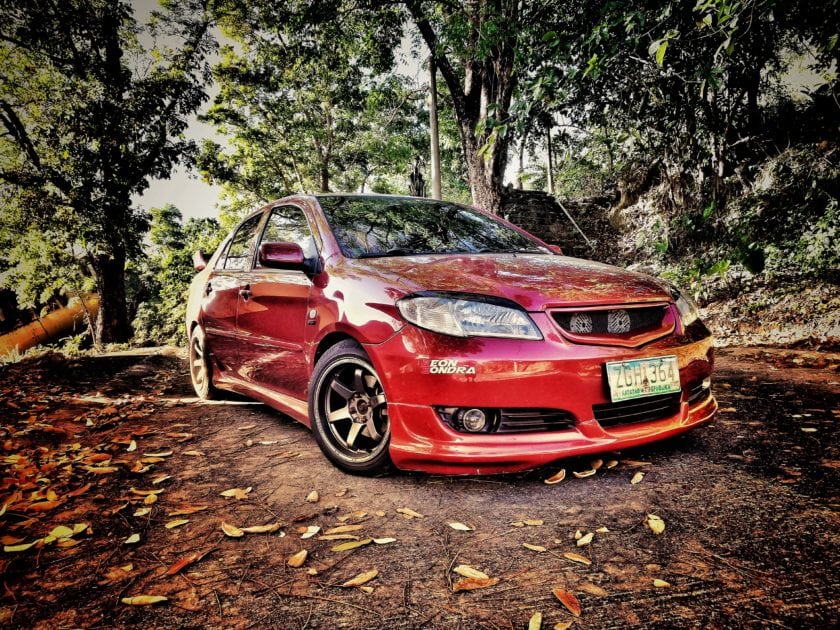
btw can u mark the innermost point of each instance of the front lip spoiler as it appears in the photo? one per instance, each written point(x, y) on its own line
point(473, 455)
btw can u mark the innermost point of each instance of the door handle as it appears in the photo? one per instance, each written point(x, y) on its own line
point(209, 289)
point(245, 292)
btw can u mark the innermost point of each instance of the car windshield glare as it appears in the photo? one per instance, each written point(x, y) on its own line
point(367, 227)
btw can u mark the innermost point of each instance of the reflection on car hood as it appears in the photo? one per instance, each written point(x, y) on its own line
point(534, 281)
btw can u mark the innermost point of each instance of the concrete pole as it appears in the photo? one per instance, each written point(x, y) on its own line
point(550, 162)
point(433, 129)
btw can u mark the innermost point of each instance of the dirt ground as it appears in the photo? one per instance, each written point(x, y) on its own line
point(749, 503)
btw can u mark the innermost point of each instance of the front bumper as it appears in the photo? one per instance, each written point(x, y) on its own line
point(503, 373)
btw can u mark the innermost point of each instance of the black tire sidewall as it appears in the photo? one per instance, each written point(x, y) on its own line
point(340, 351)
point(206, 391)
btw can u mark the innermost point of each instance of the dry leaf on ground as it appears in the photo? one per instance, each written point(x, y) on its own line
point(134, 538)
point(409, 513)
point(655, 523)
point(661, 583)
point(585, 539)
point(637, 478)
point(232, 530)
point(297, 560)
point(312, 497)
point(575, 557)
point(353, 544)
point(473, 583)
point(144, 600)
point(362, 578)
point(261, 529)
point(585, 473)
point(568, 600)
point(238, 493)
point(537, 548)
point(535, 622)
point(343, 529)
point(556, 477)
point(468, 572)
point(461, 527)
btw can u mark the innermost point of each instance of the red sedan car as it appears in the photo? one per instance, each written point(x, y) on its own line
point(441, 338)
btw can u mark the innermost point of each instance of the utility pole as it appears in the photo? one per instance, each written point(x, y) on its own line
point(433, 128)
point(550, 160)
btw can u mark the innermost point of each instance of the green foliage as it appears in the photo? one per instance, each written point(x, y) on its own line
point(89, 116)
point(163, 279)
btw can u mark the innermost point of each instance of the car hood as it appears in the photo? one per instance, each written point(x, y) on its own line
point(534, 281)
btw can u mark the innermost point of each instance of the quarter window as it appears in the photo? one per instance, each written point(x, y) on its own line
point(238, 254)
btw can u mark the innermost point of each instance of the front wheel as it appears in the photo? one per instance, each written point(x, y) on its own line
point(348, 410)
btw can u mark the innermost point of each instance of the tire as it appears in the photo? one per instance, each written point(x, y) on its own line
point(348, 411)
point(201, 370)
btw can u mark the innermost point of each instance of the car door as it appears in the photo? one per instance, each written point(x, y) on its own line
point(221, 295)
point(272, 313)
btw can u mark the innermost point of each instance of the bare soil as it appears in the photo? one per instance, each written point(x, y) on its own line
point(750, 507)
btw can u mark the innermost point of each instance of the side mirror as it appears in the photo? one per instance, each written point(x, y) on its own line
point(200, 260)
point(281, 256)
point(556, 249)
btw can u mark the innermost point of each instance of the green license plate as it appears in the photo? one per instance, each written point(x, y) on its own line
point(643, 377)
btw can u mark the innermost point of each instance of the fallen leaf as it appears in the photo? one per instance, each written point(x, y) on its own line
point(182, 563)
point(309, 532)
point(132, 446)
point(575, 557)
point(568, 600)
point(343, 529)
point(160, 479)
point(42, 506)
point(634, 462)
point(563, 625)
point(190, 509)
point(461, 527)
point(16, 548)
point(655, 523)
point(661, 583)
point(134, 538)
point(232, 530)
point(338, 537)
point(127, 567)
point(362, 578)
point(267, 442)
point(297, 559)
point(409, 513)
point(138, 467)
point(159, 454)
point(518, 524)
point(80, 491)
point(596, 464)
point(247, 427)
point(237, 493)
point(144, 493)
point(312, 497)
point(612, 463)
point(585, 473)
point(585, 539)
point(151, 499)
point(194, 453)
point(62, 531)
point(384, 541)
point(261, 529)
point(536, 548)
point(366, 589)
point(473, 583)
point(143, 600)
point(11, 540)
point(602, 530)
point(592, 589)
point(535, 622)
point(342, 492)
point(556, 477)
point(808, 429)
point(637, 478)
point(353, 544)
point(578, 535)
point(468, 572)
point(534, 522)
point(176, 523)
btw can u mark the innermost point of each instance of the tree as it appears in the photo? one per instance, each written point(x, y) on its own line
point(305, 106)
point(90, 113)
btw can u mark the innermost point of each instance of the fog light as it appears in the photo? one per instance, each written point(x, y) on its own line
point(474, 420)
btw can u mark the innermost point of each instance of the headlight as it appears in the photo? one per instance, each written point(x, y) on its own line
point(689, 313)
point(467, 316)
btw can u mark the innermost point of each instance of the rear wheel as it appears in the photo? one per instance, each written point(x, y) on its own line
point(201, 371)
point(348, 410)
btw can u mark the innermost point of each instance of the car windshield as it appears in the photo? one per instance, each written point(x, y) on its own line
point(368, 227)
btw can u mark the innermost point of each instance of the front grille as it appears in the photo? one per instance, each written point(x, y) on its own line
point(614, 321)
point(638, 410)
point(533, 420)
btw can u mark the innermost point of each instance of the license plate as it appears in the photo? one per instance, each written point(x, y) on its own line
point(643, 377)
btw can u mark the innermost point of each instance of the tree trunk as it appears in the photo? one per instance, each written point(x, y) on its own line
point(112, 324)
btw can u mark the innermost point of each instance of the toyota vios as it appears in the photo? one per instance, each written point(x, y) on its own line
point(441, 338)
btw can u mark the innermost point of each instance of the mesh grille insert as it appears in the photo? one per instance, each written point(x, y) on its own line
point(638, 410)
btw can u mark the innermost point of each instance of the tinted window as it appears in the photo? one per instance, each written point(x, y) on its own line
point(238, 254)
point(288, 224)
point(370, 226)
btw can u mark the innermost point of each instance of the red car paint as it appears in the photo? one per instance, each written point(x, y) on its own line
point(266, 328)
